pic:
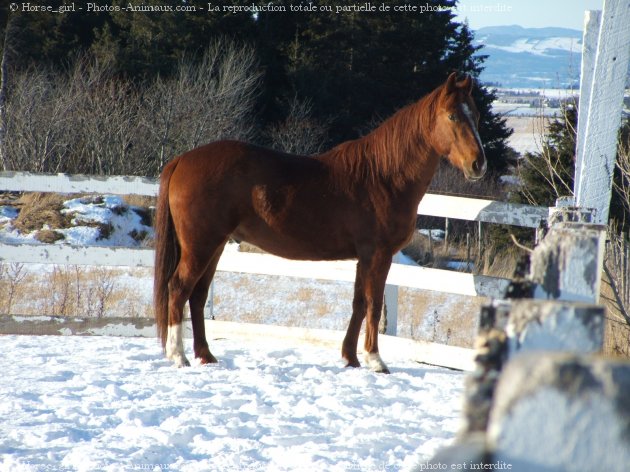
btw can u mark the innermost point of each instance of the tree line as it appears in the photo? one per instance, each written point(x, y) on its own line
point(122, 92)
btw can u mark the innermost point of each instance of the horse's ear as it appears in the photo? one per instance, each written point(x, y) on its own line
point(451, 83)
point(467, 84)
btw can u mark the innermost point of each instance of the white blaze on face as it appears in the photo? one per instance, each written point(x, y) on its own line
point(175, 346)
point(471, 120)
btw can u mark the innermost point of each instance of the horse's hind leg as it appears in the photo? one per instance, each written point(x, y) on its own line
point(180, 287)
point(197, 303)
point(189, 270)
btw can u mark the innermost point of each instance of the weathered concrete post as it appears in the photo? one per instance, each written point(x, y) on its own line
point(567, 264)
point(510, 328)
point(541, 398)
point(561, 412)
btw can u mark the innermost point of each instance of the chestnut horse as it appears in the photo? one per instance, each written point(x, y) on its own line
point(357, 201)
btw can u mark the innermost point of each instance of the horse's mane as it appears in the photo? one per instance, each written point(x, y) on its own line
point(392, 151)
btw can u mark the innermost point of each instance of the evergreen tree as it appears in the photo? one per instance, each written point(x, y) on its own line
point(358, 68)
point(50, 39)
point(147, 43)
point(547, 175)
point(352, 68)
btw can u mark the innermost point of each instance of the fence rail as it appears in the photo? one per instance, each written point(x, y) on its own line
point(446, 206)
point(399, 276)
point(250, 263)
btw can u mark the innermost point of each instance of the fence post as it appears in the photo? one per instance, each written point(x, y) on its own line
point(390, 304)
point(595, 172)
point(209, 308)
point(589, 48)
point(446, 236)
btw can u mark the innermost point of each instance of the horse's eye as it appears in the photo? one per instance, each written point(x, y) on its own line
point(452, 117)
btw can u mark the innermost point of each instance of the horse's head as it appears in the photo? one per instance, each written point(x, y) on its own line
point(455, 128)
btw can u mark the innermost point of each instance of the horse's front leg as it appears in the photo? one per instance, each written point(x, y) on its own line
point(368, 301)
point(374, 292)
point(349, 346)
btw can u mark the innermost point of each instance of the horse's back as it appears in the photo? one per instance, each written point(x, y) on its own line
point(227, 161)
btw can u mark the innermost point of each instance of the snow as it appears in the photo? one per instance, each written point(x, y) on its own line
point(7, 213)
point(111, 404)
point(436, 234)
point(541, 47)
point(87, 213)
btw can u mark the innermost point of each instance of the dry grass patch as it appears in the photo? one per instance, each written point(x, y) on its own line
point(41, 210)
point(144, 206)
point(48, 236)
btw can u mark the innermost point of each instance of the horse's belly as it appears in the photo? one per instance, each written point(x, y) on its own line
point(297, 244)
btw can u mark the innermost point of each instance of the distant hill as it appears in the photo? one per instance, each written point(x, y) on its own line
point(531, 57)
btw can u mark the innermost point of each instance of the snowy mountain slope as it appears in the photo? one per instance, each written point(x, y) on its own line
point(530, 57)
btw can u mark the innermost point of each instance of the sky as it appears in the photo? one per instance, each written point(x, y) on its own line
point(526, 13)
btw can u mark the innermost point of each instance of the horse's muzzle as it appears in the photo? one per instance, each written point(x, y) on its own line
point(477, 170)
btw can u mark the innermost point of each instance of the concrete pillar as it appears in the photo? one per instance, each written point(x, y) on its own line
point(567, 264)
point(561, 412)
point(508, 329)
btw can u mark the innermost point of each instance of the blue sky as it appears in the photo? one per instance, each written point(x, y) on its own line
point(526, 13)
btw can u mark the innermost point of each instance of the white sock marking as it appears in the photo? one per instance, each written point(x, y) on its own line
point(175, 346)
point(375, 363)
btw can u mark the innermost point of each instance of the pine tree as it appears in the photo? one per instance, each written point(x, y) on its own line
point(548, 175)
point(358, 68)
point(353, 69)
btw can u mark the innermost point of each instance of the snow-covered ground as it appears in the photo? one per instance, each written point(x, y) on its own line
point(113, 404)
point(124, 221)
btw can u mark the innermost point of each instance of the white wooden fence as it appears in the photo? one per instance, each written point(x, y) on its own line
point(399, 276)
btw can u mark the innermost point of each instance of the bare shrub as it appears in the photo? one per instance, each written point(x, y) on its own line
point(299, 133)
point(88, 120)
point(451, 181)
point(615, 293)
point(37, 122)
point(204, 102)
point(11, 278)
point(622, 185)
point(105, 108)
point(100, 292)
point(77, 291)
point(60, 301)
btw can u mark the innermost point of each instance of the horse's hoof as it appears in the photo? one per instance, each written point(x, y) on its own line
point(355, 363)
point(204, 355)
point(208, 359)
point(181, 362)
point(375, 363)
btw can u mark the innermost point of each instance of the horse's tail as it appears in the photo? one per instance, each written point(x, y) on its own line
point(166, 252)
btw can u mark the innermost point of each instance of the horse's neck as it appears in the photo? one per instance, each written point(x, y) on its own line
point(393, 155)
